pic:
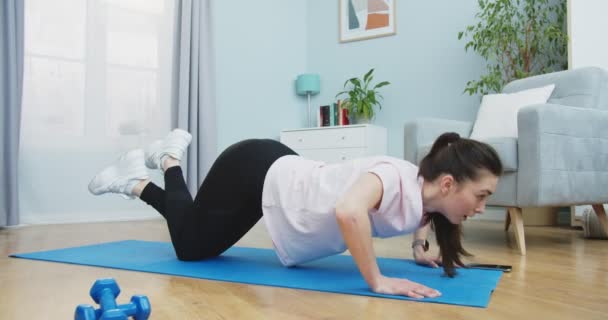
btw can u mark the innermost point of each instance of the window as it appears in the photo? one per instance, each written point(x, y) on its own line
point(97, 68)
point(97, 82)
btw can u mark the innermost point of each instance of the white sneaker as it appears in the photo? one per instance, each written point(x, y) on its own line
point(174, 145)
point(126, 172)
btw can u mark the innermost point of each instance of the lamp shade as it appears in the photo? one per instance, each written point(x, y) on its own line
point(308, 83)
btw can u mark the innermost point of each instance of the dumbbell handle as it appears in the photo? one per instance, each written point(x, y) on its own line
point(107, 300)
point(114, 314)
point(129, 310)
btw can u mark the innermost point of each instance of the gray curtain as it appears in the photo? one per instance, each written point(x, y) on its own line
point(194, 90)
point(11, 84)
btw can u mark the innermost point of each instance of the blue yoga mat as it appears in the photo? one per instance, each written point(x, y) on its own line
point(338, 274)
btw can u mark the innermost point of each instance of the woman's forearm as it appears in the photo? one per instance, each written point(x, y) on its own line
point(356, 230)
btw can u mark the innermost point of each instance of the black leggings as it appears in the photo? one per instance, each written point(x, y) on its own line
point(227, 205)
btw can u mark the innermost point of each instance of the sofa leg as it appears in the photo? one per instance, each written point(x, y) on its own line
point(601, 216)
point(517, 219)
point(507, 220)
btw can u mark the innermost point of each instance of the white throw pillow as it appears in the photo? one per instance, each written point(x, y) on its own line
point(497, 116)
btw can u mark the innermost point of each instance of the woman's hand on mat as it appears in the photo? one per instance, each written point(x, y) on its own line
point(424, 259)
point(398, 286)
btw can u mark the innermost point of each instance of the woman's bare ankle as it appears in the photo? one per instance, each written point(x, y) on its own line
point(169, 162)
point(139, 188)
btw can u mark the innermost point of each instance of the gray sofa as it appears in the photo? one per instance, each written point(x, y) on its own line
point(560, 157)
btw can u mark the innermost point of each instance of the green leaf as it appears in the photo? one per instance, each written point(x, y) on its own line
point(356, 82)
point(368, 75)
point(347, 81)
point(361, 98)
point(340, 93)
point(382, 84)
point(517, 39)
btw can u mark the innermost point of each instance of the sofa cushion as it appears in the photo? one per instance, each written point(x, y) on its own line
point(505, 147)
point(582, 87)
point(497, 115)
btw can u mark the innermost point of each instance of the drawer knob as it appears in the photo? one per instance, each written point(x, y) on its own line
point(343, 138)
point(299, 139)
point(343, 157)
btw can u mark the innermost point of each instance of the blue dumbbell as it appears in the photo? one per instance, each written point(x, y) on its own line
point(104, 292)
point(85, 312)
point(139, 308)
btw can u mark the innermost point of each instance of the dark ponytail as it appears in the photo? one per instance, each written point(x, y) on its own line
point(463, 159)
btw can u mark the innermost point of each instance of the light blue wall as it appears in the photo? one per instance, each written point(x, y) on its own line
point(261, 46)
point(425, 63)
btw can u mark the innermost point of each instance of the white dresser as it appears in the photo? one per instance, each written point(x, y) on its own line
point(338, 143)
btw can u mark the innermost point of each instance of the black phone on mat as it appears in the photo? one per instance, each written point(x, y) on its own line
point(500, 267)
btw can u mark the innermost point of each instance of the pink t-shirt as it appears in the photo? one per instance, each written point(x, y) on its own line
point(300, 195)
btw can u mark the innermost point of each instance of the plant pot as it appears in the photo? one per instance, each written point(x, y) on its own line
point(360, 120)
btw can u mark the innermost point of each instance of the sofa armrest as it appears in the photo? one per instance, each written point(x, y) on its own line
point(563, 155)
point(423, 132)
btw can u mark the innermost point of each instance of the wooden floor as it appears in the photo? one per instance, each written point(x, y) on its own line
point(562, 277)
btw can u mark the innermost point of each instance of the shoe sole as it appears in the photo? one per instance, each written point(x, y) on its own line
point(110, 172)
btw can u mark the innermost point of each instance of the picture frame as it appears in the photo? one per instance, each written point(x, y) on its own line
point(366, 19)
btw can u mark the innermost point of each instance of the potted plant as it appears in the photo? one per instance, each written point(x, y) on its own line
point(362, 98)
point(518, 39)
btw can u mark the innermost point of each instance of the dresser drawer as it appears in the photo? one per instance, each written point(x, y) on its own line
point(326, 138)
point(339, 143)
point(333, 155)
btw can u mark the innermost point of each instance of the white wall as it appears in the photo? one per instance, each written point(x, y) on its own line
point(260, 48)
point(587, 27)
point(425, 62)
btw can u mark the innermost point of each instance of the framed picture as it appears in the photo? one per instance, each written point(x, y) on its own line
point(365, 19)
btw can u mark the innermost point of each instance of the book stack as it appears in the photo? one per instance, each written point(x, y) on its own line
point(333, 115)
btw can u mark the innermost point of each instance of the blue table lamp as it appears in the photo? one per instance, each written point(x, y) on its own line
point(308, 84)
